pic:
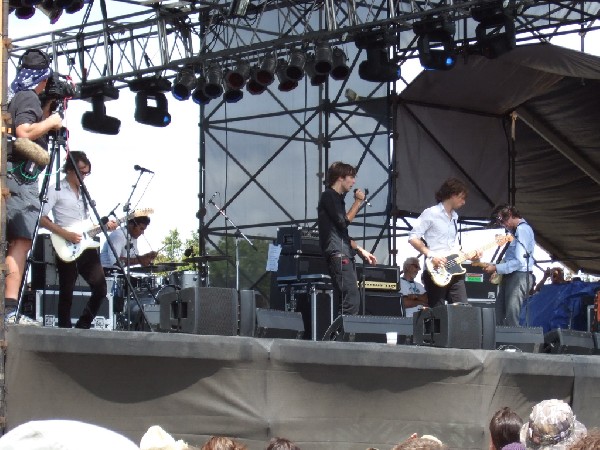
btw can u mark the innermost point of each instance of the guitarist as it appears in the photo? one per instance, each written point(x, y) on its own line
point(437, 225)
point(516, 267)
point(69, 207)
point(31, 121)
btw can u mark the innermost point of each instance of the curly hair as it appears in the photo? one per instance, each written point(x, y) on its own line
point(450, 187)
point(223, 443)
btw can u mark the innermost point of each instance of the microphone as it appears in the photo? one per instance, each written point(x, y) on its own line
point(142, 169)
point(213, 196)
point(366, 193)
point(31, 151)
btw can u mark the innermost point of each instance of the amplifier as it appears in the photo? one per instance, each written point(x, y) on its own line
point(478, 284)
point(302, 267)
point(298, 240)
point(47, 307)
point(379, 277)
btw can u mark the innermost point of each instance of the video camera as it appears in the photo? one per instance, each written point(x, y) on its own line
point(57, 90)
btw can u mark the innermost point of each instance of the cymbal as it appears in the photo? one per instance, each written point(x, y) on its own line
point(206, 258)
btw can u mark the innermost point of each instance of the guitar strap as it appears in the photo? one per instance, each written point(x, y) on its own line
point(458, 234)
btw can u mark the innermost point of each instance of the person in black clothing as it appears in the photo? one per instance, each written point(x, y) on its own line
point(337, 246)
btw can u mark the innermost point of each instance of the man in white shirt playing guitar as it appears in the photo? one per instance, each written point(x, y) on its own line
point(70, 211)
point(438, 226)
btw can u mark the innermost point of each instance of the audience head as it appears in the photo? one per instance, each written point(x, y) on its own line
point(425, 442)
point(505, 428)
point(223, 443)
point(589, 442)
point(557, 275)
point(551, 426)
point(278, 443)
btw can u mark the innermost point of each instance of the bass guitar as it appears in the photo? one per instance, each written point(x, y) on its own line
point(441, 275)
point(68, 251)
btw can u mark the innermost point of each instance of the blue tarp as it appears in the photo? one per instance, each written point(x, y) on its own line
point(559, 306)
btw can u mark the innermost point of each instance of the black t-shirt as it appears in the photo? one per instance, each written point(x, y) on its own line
point(333, 224)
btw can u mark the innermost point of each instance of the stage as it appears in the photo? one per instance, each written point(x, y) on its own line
point(323, 395)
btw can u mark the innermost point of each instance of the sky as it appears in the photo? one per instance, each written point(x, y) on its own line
point(172, 152)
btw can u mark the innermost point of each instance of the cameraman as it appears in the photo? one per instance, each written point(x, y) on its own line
point(31, 121)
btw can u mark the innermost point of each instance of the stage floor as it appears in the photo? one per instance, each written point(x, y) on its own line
point(323, 395)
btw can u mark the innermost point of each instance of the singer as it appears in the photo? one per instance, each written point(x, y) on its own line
point(70, 211)
point(516, 266)
point(337, 246)
point(437, 225)
point(31, 120)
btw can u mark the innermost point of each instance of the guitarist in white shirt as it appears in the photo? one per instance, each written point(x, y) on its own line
point(69, 210)
point(437, 225)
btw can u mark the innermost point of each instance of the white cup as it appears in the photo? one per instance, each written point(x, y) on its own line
point(392, 337)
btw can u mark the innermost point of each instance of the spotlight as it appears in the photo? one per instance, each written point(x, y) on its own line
point(232, 95)
point(340, 69)
point(185, 82)
point(151, 108)
point(213, 87)
point(235, 79)
point(437, 50)
point(198, 96)
point(24, 12)
point(265, 75)
point(51, 10)
point(96, 121)
point(238, 8)
point(286, 84)
point(323, 58)
point(312, 73)
point(254, 86)
point(295, 67)
point(494, 18)
point(70, 6)
point(378, 67)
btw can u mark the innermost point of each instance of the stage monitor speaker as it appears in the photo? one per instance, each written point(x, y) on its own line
point(488, 328)
point(272, 323)
point(569, 341)
point(525, 339)
point(380, 303)
point(368, 328)
point(200, 310)
point(44, 274)
point(450, 326)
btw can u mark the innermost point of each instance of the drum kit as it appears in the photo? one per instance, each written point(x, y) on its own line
point(150, 282)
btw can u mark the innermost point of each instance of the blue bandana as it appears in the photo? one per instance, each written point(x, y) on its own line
point(27, 79)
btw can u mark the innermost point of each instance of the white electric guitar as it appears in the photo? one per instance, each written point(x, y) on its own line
point(68, 251)
point(441, 275)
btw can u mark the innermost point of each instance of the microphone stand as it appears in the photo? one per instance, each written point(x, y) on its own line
point(363, 294)
point(238, 233)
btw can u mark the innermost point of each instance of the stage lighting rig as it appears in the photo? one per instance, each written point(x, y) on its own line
point(286, 84)
point(495, 32)
point(213, 86)
point(184, 84)
point(296, 63)
point(378, 67)
point(151, 106)
point(96, 121)
point(435, 43)
point(340, 69)
point(316, 78)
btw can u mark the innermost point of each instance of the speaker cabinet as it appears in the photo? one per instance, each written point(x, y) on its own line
point(378, 303)
point(247, 313)
point(450, 326)
point(368, 328)
point(525, 339)
point(569, 341)
point(47, 309)
point(271, 323)
point(200, 310)
point(44, 274)
point(478, 285)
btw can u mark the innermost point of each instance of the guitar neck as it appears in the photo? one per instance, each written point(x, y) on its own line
point(470, 255)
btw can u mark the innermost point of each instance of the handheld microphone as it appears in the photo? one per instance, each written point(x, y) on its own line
point(366, 191)
point(142, 169)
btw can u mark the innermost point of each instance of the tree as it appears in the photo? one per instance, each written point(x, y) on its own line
point(171, 248)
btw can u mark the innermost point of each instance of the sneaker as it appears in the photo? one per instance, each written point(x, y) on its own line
point(11, 319)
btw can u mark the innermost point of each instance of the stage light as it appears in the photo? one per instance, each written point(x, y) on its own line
point(185, 82)
point(378, 66)
point(51, 10)
point(235, 79)
point(323, 58)
point(70, 6)
point(96, 121)
point(340, 69)
point(295, 67)
point(315, 77)
point(435, 43)
point(265, 74)
point(24, 12)
point(198, 96)
point(238, 8)
point(286, 84)
point(151, 108)
point(232, 95)
point(253, 86)
point(213, 87)
point(495, 32)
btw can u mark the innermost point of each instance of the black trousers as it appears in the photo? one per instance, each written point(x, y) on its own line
point(453, 292)
point(342, 270)
point(89, 267)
